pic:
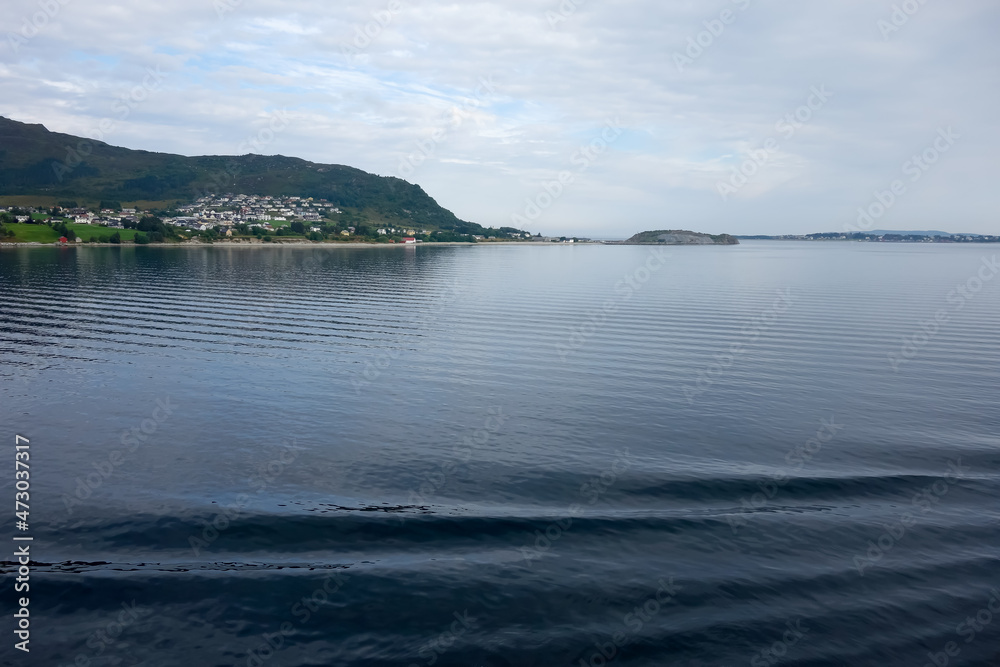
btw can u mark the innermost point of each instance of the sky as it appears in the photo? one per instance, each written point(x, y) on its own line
point(576, 117)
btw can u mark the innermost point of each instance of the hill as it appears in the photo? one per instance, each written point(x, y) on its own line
point(49, 165)
point(679, 237)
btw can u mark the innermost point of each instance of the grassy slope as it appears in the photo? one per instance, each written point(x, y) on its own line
point(25, 233)
point(86, 232)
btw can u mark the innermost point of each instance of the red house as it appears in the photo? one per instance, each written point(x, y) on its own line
point(63, 240)
point(409, 239)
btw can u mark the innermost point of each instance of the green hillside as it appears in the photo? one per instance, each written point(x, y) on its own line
point(39, 163)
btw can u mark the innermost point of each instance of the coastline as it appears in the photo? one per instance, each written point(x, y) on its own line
point(231, 244)
point(285, 244)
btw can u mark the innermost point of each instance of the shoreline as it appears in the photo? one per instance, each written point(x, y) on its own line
point(290, 244)
point(231, 244)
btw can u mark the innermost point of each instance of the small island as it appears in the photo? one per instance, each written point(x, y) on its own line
point(679, 237)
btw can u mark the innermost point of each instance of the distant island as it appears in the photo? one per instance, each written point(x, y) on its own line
point(679, 237)
point(881, 236)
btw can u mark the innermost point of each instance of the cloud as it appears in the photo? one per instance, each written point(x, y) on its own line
point(368, 83)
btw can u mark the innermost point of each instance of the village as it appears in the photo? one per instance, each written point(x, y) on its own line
point(220, 213)
point(227, 216)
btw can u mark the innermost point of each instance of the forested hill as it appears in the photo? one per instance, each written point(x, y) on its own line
point(35, 161)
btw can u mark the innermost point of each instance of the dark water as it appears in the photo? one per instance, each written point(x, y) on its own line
point(500, 456)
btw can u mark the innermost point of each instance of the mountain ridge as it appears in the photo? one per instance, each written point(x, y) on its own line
point(35, 161)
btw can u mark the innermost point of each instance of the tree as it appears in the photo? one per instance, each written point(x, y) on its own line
point(298, 227)
point(149, 223)
point(63, 230)
point(115, 238)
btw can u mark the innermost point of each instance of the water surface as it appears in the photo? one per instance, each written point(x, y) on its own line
point(506, 455)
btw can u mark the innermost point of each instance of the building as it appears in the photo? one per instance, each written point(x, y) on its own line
point(409, 239)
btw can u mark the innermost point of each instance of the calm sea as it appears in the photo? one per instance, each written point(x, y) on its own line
point(498, 456)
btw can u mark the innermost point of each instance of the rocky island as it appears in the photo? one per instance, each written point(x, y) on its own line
point(679, 237)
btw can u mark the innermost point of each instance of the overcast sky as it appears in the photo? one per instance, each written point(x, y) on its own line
point(486, 104)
